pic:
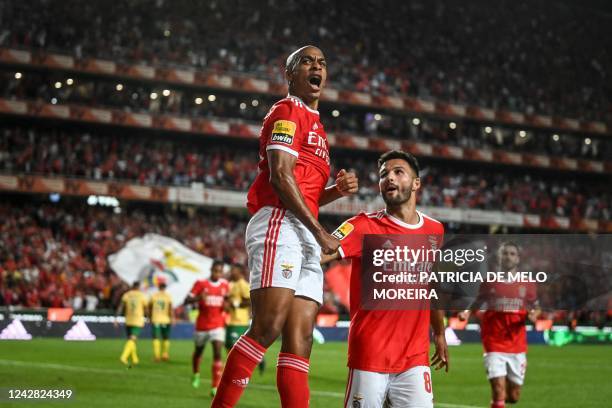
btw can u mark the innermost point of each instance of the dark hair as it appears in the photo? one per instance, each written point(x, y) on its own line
point(162, 285)
point(512, 244)
point(136, 284)
point(400, 154)
point(294, 58)
point(216, 263)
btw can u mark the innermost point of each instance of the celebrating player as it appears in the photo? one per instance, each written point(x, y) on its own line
point(210, 295)
point(161, 318)
point(502, 328)
point(134, 303)
point(284, 239)
point(388, 355)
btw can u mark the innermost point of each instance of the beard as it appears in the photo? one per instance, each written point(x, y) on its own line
point(400, 198)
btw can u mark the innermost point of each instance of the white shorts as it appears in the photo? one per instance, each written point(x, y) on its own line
point(202, 337)
point(409, 389)
point(510, 365)
point(283, 253)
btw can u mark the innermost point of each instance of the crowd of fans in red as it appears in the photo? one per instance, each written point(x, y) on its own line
point(493, 55)
point(56, 255)
point(150, 98)
point(182, 161)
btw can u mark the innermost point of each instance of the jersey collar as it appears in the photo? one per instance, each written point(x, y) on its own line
point(405, 224)
point(308, 108)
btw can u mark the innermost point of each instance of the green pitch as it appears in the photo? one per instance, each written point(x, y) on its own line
point(572, 376)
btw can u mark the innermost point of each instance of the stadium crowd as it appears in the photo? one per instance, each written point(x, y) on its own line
point(157, 160)
point(55, 255)
point(492, 55)
point(155, 99)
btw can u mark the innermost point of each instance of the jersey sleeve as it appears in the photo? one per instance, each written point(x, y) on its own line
point(196, 289)
point(350, 233)
point(282, 129)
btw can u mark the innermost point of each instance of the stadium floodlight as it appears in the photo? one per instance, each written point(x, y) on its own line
point(377, 117)
point(522, 133)
point(199, 100)
point(58, 85)
point(153, 95)
point(18, 75)
point(416, 121)
point(167, 33)
point(452, 125)
point(335, 113)
point(255, 102)
point(243, 105)
point(488, 129)
point(556, 137)
point(69, 81)
point(166, 92)
point(587, 141)
point(212, 98)
point(53, 101)
point(119, 87)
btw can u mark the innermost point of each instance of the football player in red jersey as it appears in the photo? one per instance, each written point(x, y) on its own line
point(388, 354)
point(284, 239)
point(502, 328)
point(211, 297)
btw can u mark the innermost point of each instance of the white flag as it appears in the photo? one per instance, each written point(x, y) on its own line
point(151, 257)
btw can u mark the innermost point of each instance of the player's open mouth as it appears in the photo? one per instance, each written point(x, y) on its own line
point(390, 188)
point(315, 80)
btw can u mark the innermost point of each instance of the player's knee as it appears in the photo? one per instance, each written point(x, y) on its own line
point(265, 331)
point(264, 336)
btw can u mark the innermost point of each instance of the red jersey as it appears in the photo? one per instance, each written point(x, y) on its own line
point(388, 341)
point(293, 127)
point(211, 314)
point(502, 326)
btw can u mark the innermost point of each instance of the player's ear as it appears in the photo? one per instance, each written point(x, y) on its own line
point(416, 184)
point(288, 76)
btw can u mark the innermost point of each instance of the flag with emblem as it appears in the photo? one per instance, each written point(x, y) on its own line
point(152, 258)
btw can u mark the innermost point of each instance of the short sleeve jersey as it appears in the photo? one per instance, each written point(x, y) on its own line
point(291, 126)
point(502, 327)
point(161, 306)
point(134, 302)
point(239, 291)
point(211, 313)
point(389, 341)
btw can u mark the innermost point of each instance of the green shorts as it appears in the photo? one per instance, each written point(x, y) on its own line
point(232, 335)
point(161, 330)
point(133, 330)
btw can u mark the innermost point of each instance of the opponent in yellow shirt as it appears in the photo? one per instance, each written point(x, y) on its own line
point(134, 303)
point(240, 301)
point(161, 318)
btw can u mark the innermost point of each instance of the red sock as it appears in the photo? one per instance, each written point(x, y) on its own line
point(498, 404)
point(217, 370)
point(195, 362)
point(292, 380)
point(241, 361)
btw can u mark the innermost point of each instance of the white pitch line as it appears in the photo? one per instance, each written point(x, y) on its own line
point(264, 387)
